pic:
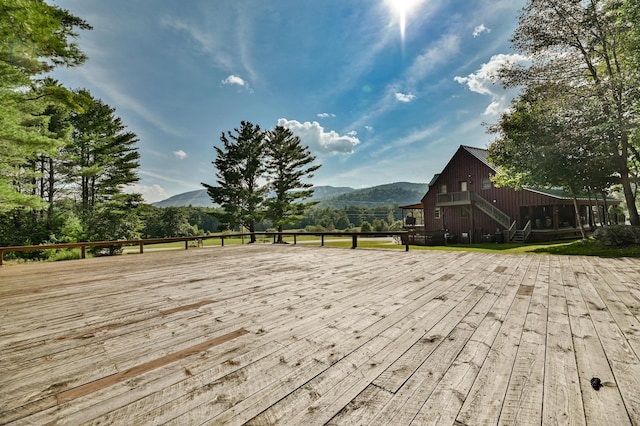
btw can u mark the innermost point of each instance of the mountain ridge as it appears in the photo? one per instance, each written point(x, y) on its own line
point(327, 196)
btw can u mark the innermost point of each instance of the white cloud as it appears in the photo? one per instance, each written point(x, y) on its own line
point(326, 115)
point(369, 128)
point(180, 154)
point(480, 29)
point(313, 135)
point(485, 81)
point(402, 97)
point(150, 193)
point(352, 133)
point(234, 80)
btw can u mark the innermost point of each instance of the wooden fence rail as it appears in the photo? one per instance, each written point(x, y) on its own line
point(141, 243)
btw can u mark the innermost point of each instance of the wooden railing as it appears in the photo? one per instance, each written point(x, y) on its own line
point(453, 198)
point(512, 231)
point(526, 231)
point(142, 242)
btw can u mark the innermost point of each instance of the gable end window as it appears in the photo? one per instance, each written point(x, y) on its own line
point(486, 183)
point(436, 213)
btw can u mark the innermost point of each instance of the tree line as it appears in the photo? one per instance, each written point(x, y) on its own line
point(65, 156)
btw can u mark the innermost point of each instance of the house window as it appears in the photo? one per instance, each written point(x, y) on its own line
point(486, 183)
point(463, 186)
point(436, 213)
point(443, 188)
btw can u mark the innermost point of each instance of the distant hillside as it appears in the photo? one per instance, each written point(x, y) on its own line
point(198, 198)
point(328, 196)
point(324, 192)
point(400, 193)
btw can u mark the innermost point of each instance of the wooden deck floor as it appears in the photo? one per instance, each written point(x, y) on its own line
point(270, 334)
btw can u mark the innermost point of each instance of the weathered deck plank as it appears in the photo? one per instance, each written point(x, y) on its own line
point(271, 334)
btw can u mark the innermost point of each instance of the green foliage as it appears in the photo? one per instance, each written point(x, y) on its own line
point(167, 222)
point(597, 74)
point(34, 38)
point(117, 219)
point(366, 227)
point(287, 163)
point(102, 156)
point(240, 165)
point(617, 235)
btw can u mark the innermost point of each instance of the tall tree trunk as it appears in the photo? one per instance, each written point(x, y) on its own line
point(280, 240)
point(606, 209)
point(629, 195)
point(578, 217)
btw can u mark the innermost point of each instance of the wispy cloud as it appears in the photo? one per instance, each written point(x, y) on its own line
point(405, 97)
point(313, 135)
point(417, 135)
point(228, 44)
point(480, 29)
point(326, 115)
point(180, 154)
point(204, 40)
point(485, 81)
point(432, 57)
point(110, 87)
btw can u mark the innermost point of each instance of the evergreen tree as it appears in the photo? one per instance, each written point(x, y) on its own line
point(34, 38)
point(102, 156)
point(239, 168)
point(287, 163)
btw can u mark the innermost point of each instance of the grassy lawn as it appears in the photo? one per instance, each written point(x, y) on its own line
point(575, 247)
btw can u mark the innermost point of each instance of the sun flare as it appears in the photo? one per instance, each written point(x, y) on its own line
point(402, 8)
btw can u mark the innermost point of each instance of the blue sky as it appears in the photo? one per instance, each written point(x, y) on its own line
point(374, 103)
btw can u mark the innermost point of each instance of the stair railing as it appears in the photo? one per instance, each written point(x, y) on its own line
point(526, 231)
point(512, 230)
point(497, 214)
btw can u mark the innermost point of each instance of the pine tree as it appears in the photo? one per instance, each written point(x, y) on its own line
point(239, 168)
point(288, 162)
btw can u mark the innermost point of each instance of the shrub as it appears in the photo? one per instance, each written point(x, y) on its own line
point(65, 254)
point(617, 235)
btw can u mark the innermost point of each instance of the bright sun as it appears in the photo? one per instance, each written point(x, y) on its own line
point(402, 8)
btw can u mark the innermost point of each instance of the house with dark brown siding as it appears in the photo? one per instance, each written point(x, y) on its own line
point(462, 204)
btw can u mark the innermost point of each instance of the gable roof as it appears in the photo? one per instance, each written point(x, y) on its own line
point(481, 154)
point(558, 193)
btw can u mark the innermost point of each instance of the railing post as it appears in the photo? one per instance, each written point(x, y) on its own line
point(1, 257)
point(186, 244)
point(222, 241)
point(83, 252)
point(295, 240)
point(322, 240)
point(354, 241)
point(141, 247)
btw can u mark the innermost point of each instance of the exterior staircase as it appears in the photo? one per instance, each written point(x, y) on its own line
point(490, 210)
point(518, 236)
point(468, 197)
point(515, 235)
